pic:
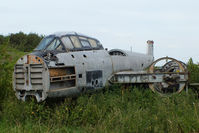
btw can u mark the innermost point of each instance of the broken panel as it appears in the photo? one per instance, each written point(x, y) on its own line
point(62, 77)
point(94, 78)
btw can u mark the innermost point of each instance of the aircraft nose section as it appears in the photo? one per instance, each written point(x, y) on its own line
point(31, 78)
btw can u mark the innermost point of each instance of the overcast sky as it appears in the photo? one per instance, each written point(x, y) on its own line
point(172, 24)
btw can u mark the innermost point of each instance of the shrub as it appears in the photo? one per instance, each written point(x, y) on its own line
point(24, 42)
point(18, 40)
point(5, 72)
point(8, 58)
point(193, 71)
point(1, 39)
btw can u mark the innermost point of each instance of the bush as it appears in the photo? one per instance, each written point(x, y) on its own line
point(193, 71)
point(18, 40)
point(1, 39)
point(5, 72)
point(8, 58)
point(24, 42)
point(32, 40)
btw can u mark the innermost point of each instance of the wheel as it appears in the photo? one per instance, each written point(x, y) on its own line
point(173, 71)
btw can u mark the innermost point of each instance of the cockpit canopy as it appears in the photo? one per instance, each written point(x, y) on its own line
point(68, 42)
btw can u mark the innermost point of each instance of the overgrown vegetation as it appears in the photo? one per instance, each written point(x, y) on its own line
point(8, 58)
point(193, 71)
point(21, 41)
point(133, 110)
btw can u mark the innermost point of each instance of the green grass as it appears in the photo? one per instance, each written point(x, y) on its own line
point(8, 57)
point(137, 110)
point(134, 110)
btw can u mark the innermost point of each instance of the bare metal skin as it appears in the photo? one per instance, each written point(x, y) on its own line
point(68, 64)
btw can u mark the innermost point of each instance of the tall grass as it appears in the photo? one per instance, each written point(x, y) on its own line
point(135, 109)
point(8, 57)
point(193, 71)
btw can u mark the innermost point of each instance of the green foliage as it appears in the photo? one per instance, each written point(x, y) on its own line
point(17, 39)
point(193, 71)
point(1, 39)
point(32, 40)
point(21, 41)
point(136, 110)
point(5, 72)
point(8, 57)
point(113, 110)
point(24, 42)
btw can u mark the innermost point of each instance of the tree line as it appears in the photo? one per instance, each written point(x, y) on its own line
point(27, 42)
point(21, 41)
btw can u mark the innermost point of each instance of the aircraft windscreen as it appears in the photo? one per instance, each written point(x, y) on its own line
point(44, 42)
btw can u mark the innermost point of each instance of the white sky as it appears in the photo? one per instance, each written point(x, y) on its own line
point(172, 24)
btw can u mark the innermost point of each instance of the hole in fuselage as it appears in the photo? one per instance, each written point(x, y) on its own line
point(22, 93)
point(80, 75)
point(96, 82)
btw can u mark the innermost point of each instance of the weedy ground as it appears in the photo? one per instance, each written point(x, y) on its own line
point(133, 110)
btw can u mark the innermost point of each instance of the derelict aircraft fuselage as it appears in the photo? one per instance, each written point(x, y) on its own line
point(68, 64)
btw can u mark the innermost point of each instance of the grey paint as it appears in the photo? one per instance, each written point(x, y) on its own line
point(98, 64)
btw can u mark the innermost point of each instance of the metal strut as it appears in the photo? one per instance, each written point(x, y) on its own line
point(170, 78)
